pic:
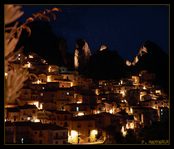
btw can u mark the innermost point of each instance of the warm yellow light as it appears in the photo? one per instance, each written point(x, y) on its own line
point(131, 110)
point(111, 111)
point(123, 131)
point(36, 103)
point(103, 47)
point(80, 114)
point(38, 82)
point(28, 118)
point(49, 79)
point(73, 137)
point(141, 95)
point(128, 63)
point(6, 74)
point(135, 80)
point(49, 69)
point(93, 135)
point(96, 112)
point(29, 65)
point(130, 125)
point(155, 107)
point(30, 56)
point(36, 120)
point(144, 88)
point(41, 106)
point(74, 133)
point(97, 92)
point(71, 84)
point(158, 92)
point(94, 132)
point(123, 92)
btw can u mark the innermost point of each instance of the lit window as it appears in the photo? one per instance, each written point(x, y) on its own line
point(6, 74)
point(49, 79)
point(38, 81)
point(30, 56)
point(144, 87)
point(124, 132)
point(77, 108)
point(22, 140)
point(28, 64)
point(158, 92)
point(49, 69)
point(80, 114)
point(44, 61)
point(79, 102)
point(28, 118)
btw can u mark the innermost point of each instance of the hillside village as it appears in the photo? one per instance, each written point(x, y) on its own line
point(62, 106)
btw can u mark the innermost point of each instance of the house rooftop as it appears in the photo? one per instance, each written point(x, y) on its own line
point(28, 107)
point(14, 109)
point(36, 126)
point(83, 118)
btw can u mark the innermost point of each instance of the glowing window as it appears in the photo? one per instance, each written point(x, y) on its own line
point(22, 140)
point(77, 108)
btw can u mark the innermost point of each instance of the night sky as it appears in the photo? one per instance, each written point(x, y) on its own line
point(122, 27)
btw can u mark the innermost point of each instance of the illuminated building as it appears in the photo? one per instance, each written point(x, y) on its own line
point(21, 113)
point(36, 133)
point(63, 118)
point(78, 108)
point(53, 69)
point(82, 130)
point(135, 80)
point(123, 131)
point(145, 115)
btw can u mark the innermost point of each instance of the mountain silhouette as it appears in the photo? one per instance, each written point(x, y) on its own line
point(103, 64)
point(106, 64)
point(154, 61)
point(45, 43)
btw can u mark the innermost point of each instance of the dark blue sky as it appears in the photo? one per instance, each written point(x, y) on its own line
point(122, 27)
